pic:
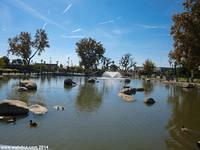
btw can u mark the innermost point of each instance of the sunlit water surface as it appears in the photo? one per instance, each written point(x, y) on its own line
point(96, 118)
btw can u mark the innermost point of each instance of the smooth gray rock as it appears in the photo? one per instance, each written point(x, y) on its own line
point(13, 108)
point(38, 109)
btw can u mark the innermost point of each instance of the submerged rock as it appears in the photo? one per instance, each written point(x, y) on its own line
point(125, 97)
point(69, 82)
point(30, 85)
point(128, 91)
point(149, 101)
point(38, 109)
point(13, 108)
point(8, 119)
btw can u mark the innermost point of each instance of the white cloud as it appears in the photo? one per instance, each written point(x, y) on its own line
point(67, 8)
point(73, 36)
point(120, 31)
point(35, 13)
point(77, 30)
point(44, 26)
point(106, 22)
point(152, 26)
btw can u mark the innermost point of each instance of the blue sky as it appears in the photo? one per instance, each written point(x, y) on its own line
point(138, 27)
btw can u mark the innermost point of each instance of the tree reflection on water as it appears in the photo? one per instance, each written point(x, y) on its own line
point(88, 99)
point(185, 112)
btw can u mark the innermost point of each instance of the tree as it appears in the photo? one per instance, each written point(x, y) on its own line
point(186, 35)
point(106, 62)
point(173, 63)
point(22, 45)
point(127, 62)
point(113, 67)
point(6, 61)
point(2, 63)
point(149, 67)
point(90, 51)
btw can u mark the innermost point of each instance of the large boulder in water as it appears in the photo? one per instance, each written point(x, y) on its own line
point(13, 108)
point(69, 82)
point(149, 101)
point(128, 91)
point(38, 109)
point(30, 85)
point(91, 80)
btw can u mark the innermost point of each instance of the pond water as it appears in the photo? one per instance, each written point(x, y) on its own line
point(96, 118)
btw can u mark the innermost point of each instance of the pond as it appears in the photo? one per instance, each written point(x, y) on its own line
point(96, 118)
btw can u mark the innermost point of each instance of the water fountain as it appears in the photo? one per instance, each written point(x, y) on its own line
point(110, 74)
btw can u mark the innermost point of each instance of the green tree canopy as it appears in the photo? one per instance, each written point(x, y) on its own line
point(90, 51)
point(6, 61)
point(186, 35)
point(149, 66)
point(22, 45)
point(2, 63)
